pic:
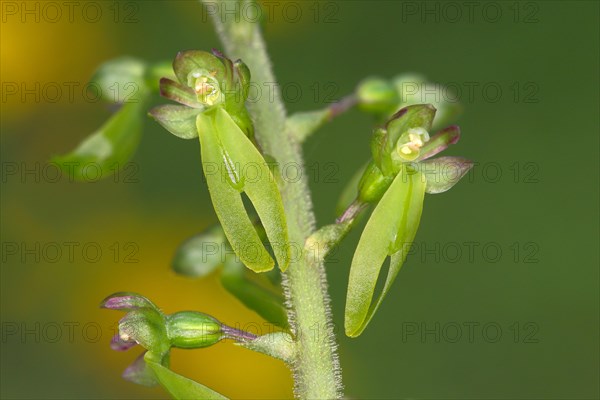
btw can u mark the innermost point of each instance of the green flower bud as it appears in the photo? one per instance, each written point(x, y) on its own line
point(191, 329)
point(377, 96)
point(409, 88)
point(201, 254)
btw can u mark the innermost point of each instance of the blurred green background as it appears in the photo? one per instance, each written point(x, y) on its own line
point(527, 316)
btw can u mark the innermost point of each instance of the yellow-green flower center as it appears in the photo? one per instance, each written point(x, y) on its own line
point(410, 142)
point(206, 87)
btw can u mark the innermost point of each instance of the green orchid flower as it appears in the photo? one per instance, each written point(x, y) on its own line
point(396, 181)
point(212, 91)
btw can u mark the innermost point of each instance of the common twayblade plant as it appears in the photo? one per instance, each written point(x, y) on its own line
point(208, 91)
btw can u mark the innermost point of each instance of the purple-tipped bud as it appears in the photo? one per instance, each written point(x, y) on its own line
point(126, 301)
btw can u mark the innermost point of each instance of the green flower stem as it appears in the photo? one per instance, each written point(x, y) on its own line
point(315, 366)
point(353, 210)
point(320, 243)
point(278, 345)
point(303, 124)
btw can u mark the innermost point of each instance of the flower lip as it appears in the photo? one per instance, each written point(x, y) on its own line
point(122, 342)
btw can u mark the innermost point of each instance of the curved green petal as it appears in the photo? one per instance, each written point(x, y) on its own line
point(258, 183)
point(179, 386)
point(227, 199)
point(394, 222)
point(443, 173)
point(179, 120)
point(180, 93)
point(107, 149)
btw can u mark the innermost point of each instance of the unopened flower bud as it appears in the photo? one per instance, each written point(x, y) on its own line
point(377, 96)
point(191, 329)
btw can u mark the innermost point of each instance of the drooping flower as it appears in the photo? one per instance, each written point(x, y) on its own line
point(145, 324)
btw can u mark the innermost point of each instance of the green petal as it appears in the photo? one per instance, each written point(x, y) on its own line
point(259, 185)
point(243, 78)
point(226, 198)
point(179, 386)
point(257, 296)
point(139, 372)
point(178, 92)
point(444, 172)
point(439, 142)
point(394, 220)
point(107, 149)
point(179, 120)
point(127, 301)
point(147, 327)
point(190, 61)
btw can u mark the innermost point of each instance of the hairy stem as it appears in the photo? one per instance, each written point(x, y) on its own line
point(315, 367)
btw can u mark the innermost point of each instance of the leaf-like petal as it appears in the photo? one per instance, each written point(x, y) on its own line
point(395, 218)
point(259, 185)
point(179, 120)
point(179, 386)
point(444, 172)
point(139, 373)
point(108, 149)
point(127, 301)
point(225, 195)
point(180, 93)
point(440, 142)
